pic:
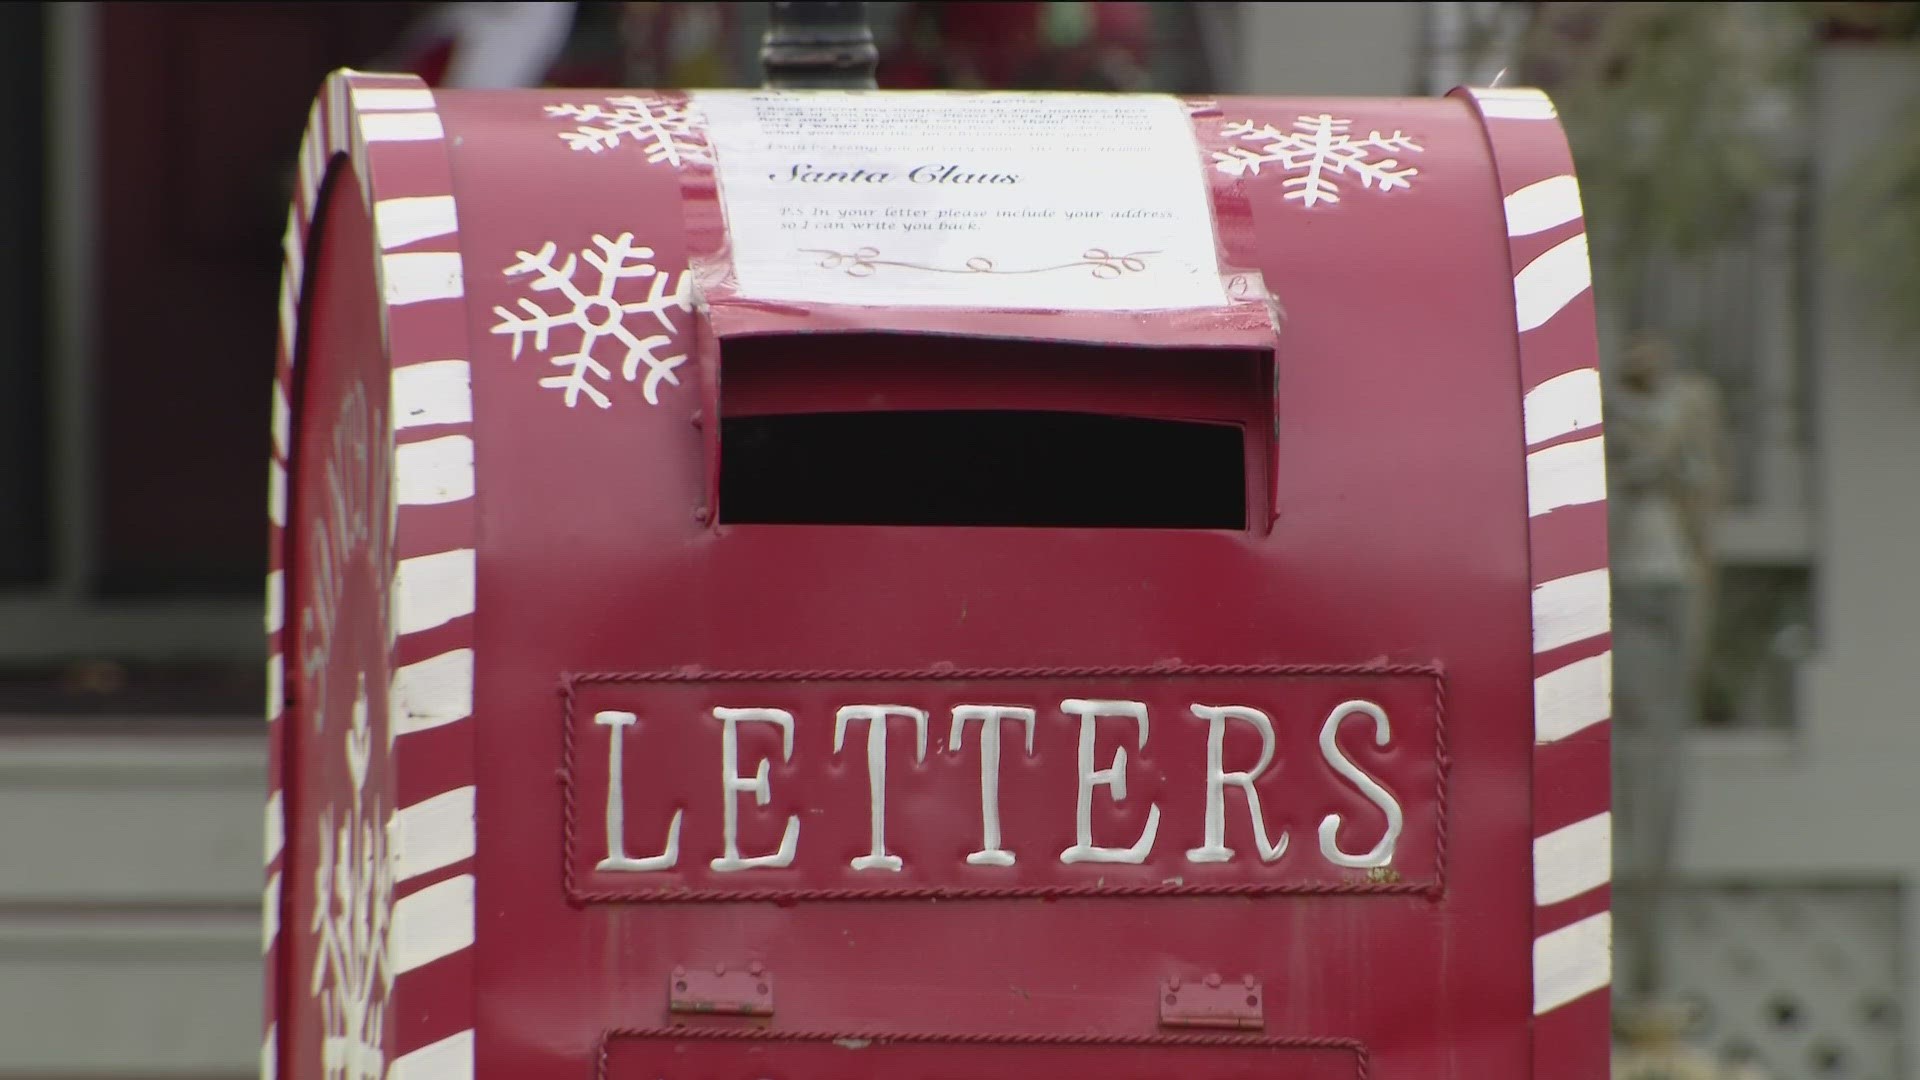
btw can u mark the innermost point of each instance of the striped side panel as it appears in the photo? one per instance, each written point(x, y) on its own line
point(398, 144)
point(1567, 541)
point(390, 129)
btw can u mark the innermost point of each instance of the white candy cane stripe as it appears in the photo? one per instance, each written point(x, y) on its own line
point(292, 244)
point(1572, 698)
point(1541, 206)
point(430, 590)
point(276, 601)
point(1549, 283)
point(399, 222)
point(449, 1059)
point(434, 471)
point(270, 1053)
point(414, 276)
point(1566, 403)
point(288, 304)
point(1561, 389)
point(372, 120)
point(1570, 474)
point(1573, 860)
point(432, 693)
point(312, 164)
point(432, 834)
point(1516, 104)
point(277, 493)
point(391, 99)
point(401, 127)
point(282, 420)
point(435, 392)
point(1572, 962)
point(276, 827)
point(270, 913)
point(276, 692)
point(1569, 609)
point(433, 923)
point(337, 115)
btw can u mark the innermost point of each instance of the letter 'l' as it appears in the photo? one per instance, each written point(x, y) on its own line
point(617, 858)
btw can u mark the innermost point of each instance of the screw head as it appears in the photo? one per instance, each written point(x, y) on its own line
point(1213, 980)
point(1173, 982)
point(1247, 981)
point(755, 968)
point(702, 515)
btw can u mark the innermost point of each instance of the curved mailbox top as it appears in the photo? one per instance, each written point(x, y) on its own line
point(777, 577)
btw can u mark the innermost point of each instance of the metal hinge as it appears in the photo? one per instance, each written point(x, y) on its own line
point(1213, 1003)
point(721, 992)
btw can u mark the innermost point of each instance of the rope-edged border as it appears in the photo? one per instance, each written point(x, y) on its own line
point(1431, 889)
point(1362, 1063)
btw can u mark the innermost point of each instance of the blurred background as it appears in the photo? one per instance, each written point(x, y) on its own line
point(1752, 180)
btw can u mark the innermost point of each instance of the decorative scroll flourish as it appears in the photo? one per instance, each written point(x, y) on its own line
point(865, 262)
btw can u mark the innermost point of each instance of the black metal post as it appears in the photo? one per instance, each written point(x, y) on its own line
point(818, 45)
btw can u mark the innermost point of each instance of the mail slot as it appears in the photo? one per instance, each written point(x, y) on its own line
point(841, 584)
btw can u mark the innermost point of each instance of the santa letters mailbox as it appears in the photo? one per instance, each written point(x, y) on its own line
point(934, 586)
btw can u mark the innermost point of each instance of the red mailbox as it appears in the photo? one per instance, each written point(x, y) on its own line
point(831, 585)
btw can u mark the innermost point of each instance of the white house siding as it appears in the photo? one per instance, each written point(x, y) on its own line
point(1839, 801)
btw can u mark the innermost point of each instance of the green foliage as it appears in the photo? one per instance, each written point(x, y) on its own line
point(1878, 228)
point(1664, 105)
point(1659, 103)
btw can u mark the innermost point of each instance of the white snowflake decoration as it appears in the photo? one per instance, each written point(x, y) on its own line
point(353, 906)
point(668, 130)
point(598, 315)
point(1319, 148)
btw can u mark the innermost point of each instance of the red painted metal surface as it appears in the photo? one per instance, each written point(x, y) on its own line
point(1391, 562)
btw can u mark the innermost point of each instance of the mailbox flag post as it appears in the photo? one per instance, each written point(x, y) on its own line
point(818, 45)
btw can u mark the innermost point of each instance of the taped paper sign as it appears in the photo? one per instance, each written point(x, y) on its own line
point(1010, 201)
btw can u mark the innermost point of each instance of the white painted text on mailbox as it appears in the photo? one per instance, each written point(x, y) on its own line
point(1130, 716)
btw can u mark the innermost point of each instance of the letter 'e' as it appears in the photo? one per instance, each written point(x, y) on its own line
point(1114, 776)
point(733, 785)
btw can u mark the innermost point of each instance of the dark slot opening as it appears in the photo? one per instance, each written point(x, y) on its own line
point(982, 468)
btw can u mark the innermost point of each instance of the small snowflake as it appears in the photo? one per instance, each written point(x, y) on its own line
point(669, 130)
point(353, 907)
point(598, 315)
point(1318, 148)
